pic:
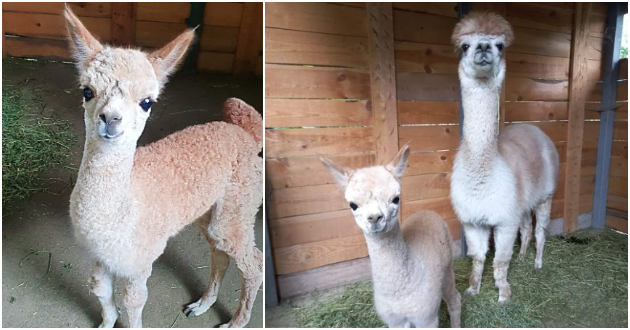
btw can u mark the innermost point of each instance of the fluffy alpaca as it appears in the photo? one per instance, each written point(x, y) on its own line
point(412, 268)
point(498, 178)
point(127, 202)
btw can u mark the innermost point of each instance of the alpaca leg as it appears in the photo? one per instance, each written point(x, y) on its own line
point(477, 240)
point(250, 266)
point(136, 295)
point(543, 212)
point(102, 286)
point(452, 298)
point(220, 262)
point(526, 234)
point(504, 238)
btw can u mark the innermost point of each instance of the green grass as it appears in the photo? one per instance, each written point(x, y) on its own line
point(31, 144)
point(583, 283)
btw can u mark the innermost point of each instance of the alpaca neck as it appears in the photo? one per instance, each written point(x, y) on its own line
point(390, 260)
point(480, 100)
point(103, 182)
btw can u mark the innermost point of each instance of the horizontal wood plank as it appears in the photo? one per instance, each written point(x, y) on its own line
point(618, 168)
point(51, 26)
point(430, 162)
point(536, 111)
point(210, 61)
point(425, 186)
point(620, 131)
point(35, 47)
point(81, 9)
point(539, 42)
point(423, 28)
point(223, 14)
point(618, 223)
point(536, 66)
point(305, 200)
point(426, 58)
point(416, 86)
point(617, 203)
point(528, 89)
point(622, 91)
point(157, 34)
point(317, 17)
point(309, 171)
point(439, 205)
point(287, 81)
point(623, 68)
point(298, 113)
point(436, 8)
point(298, 47)
point(620, 149)
point(427, 112)
point(170, 12)
point(427, 138)
point(325, 141)
point(219, 38)
point(534, 16)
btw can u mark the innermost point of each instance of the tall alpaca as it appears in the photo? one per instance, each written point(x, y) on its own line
point(127, 202)
point(412, 269)
point(498, 178)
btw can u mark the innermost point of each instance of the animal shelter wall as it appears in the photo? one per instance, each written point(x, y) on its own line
point(231, 37)
point(324, 83)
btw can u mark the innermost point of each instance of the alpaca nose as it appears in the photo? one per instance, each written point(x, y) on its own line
point(375, 217)
point(483, 46)
point(110, 117)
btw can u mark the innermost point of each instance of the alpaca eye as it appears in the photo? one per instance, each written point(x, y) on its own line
point(88, 94)
point(396, 200)
point(353, 206)
point(500, 47)
point(146, 104)
point(465, 47)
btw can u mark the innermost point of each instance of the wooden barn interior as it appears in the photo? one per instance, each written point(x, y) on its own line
point(356, 81)
point(230, 38)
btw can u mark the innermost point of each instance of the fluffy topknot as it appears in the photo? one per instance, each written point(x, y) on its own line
point(487, 23)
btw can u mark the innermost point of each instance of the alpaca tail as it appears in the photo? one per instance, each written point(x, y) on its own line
point(239, 113)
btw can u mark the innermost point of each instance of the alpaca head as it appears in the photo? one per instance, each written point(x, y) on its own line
point(373, 193)
point(482, 38)
point(119, 84)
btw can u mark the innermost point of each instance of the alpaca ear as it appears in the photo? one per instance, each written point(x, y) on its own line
point(82, 43)
point(340, 173)
point(398, 165)
point(166, 59)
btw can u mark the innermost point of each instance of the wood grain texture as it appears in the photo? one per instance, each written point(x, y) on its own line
point(436, 8)
point(51, 26)
point(529, 89)
point(297, 47)
point(123, 24)
point(537, 111)
point(302, 257)
point(223, 14)
point(537, 66)
point(81, 9)
point(249, 39)
point(210, 61)
point(157, 34)
point(427, 112)
point(617, 223)
point(618, 187)
point(430, 162)
point(412, 86)
point(439, 205)
point(284, 81)
point(317, 17)
point(577, 99)
point(423, 28)
point(309, 171)
point(620, 149)
point(428, 138)
point(425, 186)
point(535, 16)
point(539, 42)
point(35, 47)
point(426, 58)
point(617, 203)
point(325, 141)
point(620, 131)
point(383, 80)
point(219, 39)
point(170, 12)
point(305, 200)
point(298, 113)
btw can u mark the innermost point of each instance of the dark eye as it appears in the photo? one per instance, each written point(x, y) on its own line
point(353, 206)
point(396, 200)
point(465, 47)
point(146, 104)
point(88, 94)
point(500, 47)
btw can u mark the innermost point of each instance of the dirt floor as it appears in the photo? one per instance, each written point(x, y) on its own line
point(35, 297)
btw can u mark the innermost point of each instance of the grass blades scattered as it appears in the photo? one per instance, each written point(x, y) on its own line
point(583, 283)
point(31, 144)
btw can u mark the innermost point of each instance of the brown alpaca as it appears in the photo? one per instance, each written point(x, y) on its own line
point(128, 202)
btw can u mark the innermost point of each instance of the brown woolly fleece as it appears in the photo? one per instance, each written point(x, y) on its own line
point(486, 23)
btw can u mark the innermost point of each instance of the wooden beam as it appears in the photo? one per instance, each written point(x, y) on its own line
point(577, 100)
point(249, 39)
point(383, 80)
point(271, 290)
point(610, 68)
point(123, 26)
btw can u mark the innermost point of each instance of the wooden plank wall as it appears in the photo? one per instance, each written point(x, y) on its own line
point(318, 102)
point(618, 185)
point(38, 30)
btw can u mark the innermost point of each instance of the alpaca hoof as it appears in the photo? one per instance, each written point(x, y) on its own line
point(521, 257)
point(196, 309)
point(538, 264)
point(471, 291)
point(106, 324)
point(503, 300)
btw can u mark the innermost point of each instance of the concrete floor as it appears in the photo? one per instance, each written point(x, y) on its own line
point(180, 275)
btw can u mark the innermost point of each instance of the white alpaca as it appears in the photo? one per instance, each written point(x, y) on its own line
point(127, 202)
point(412, 268)
point(498, 178)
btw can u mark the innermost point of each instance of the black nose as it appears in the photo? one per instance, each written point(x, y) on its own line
point(483, 46)
point(115, 117)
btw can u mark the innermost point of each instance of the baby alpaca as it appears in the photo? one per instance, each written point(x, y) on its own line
point(127, 202)
point(498, 178)
point(412, 268)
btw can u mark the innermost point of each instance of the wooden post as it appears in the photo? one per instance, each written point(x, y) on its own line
point(610, 67)
point(249, 38)
point(577, 99)
point(123, 25)
point(271, 289)
point(383, 80)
